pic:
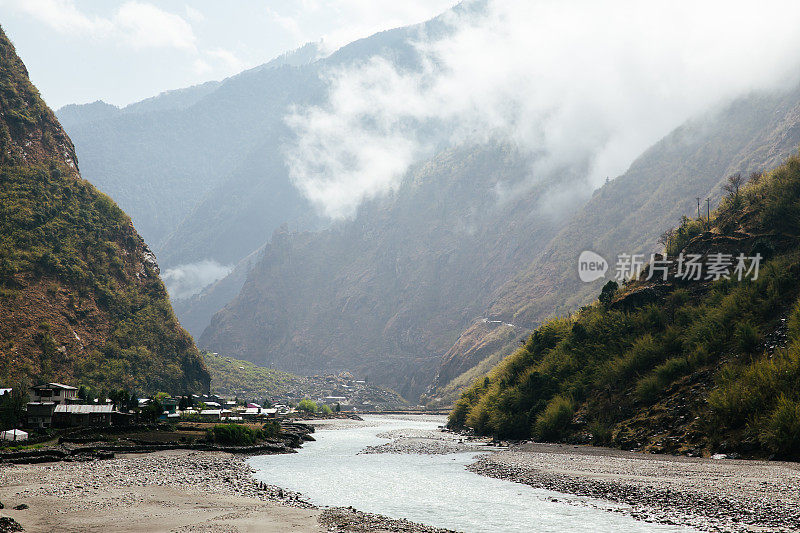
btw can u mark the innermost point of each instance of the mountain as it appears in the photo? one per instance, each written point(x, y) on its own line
point(244, 380)
point(701, 364)
point(80, 292)
point(428, 289)
point(196, 311)
point(628, 215)
point(385, 294)
point(201, 170)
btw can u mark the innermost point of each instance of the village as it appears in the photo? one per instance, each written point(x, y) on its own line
point(43, 408)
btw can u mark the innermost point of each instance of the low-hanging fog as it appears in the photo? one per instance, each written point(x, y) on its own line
point(186, 280)
point(588, 81)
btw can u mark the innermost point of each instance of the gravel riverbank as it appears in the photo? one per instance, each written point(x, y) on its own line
point(176, 490)
point(190, 491)
point(707, 494)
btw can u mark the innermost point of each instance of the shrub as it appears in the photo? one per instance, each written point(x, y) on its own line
point(648, 388)
point(608, 292)
point(672, 369)
point(553, 422)
point(235, 435)
point(272, 428)
point(748, 338)
point(601, 432)
point(781, 431)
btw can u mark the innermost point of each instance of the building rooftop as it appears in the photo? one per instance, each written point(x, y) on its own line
point(54, 386)
point(84, 409)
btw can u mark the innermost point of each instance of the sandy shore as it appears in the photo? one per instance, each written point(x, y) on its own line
point(179, 490)
point(708, 494)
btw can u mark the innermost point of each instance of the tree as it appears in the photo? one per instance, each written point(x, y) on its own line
point(267, 404)
point(307, 405)
point(733, 184)
point(86, 394)
point(608, 292)
point(12, 406)
point(153, 410)
point(120, 399)
point(665, 238)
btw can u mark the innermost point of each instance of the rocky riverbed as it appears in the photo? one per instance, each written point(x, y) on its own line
point(707, 494)
point(176, 490)
point(418, 441)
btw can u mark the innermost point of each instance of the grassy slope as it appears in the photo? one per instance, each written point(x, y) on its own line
point(243, 378)
point(671, 366)
point(80, 295)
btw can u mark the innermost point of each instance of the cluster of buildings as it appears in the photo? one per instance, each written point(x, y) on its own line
point(212, 408)
point(55, 405)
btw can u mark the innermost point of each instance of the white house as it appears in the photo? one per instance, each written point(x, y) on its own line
point(57, 393)
point(13, 435)
point(211, 414)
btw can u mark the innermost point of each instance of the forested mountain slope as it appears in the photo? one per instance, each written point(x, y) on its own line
point(690, 363)
point(80, 296)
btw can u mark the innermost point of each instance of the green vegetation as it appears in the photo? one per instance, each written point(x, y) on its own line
point(272, 428)
point(12, 407)
point(242, 435)
point(235, 435)
point(57, 231)
point(691, 367)
point(79, 289)
point(307, 405)
point(231, 376)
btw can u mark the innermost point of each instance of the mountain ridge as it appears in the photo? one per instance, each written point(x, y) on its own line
point(80, 294)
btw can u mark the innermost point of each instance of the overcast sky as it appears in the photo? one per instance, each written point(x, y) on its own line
point(79, 51)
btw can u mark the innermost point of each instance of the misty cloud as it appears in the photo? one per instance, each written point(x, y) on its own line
point(586, 85)
point(187, 280)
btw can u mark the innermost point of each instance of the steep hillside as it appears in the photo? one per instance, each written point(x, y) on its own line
point(80, 296)
point(628, 215)
point(689, 364)
point(247, 381)
point(233, 377)
point(159, 162)
point(384, 295)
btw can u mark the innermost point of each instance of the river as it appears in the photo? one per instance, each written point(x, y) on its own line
point(436, 490)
